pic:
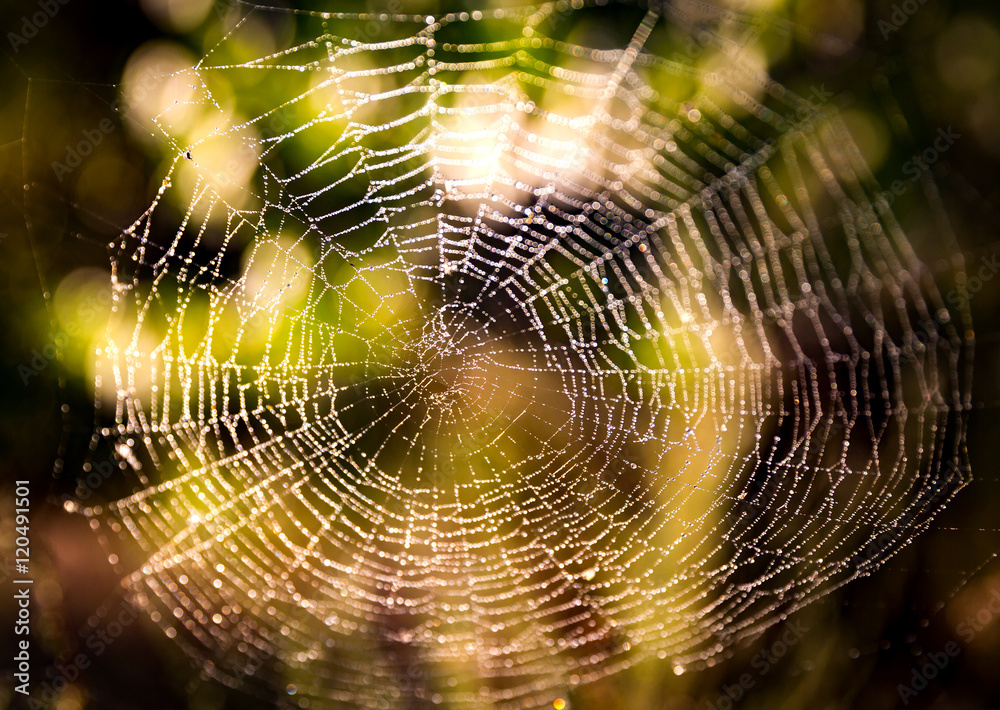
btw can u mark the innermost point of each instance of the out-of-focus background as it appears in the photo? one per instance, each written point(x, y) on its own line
point(93, 167)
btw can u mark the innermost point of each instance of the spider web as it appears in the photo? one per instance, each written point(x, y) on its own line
point(490, 359)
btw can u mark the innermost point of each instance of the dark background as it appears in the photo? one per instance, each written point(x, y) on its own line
point(859, 643)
